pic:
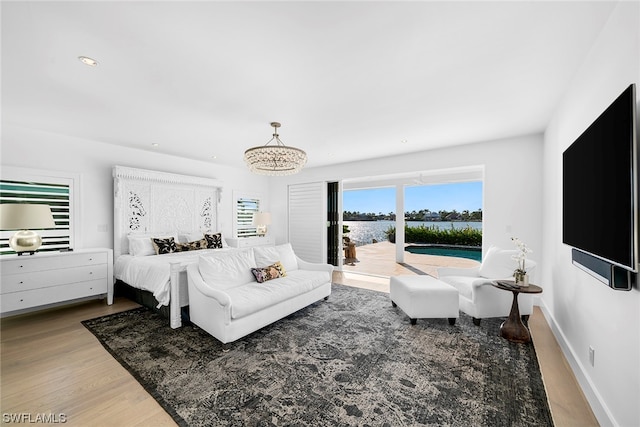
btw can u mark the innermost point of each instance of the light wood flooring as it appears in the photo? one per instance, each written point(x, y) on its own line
point(50, 364)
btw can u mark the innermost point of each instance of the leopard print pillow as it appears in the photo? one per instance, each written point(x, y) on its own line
point(192, 246)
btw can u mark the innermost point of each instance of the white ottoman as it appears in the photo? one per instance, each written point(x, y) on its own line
point(424, 297)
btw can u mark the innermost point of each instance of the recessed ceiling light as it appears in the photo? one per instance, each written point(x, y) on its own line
point(154, 144)
point(214, 157)
point(88, 61)
point(404, 141)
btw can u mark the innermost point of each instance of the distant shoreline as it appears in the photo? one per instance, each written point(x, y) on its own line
point(366, 232)
point(413, 220)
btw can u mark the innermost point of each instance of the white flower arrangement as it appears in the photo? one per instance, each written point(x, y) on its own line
point(520, 257)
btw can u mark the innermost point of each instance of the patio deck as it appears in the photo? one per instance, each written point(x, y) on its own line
point(377, 262)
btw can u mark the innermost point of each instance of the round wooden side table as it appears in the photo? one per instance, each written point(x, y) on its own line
point(513, 329)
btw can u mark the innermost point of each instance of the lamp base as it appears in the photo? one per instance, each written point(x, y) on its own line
point(25, 241)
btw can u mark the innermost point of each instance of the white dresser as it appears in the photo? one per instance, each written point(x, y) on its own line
point(250, 242)
point(45, 278)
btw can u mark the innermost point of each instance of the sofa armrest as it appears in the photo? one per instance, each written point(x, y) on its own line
point(193, 275)
point(458, 271)
point(313, 266)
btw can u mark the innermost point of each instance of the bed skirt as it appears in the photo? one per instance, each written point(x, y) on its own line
point(146, 299)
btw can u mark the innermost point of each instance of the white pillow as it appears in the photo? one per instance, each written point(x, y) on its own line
point(141, 245)
point(227, 269)
point(287, 257)
point(190, 237)
point(498, 264)
point(267, 255)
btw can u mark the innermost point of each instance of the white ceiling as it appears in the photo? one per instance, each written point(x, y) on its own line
point(347, 80)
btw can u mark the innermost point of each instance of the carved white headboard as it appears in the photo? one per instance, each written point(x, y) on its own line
point(148, 202)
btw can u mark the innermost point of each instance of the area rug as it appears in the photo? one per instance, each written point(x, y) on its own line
point(353, 360)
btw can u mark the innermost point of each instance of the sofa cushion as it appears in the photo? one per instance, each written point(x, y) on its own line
point(227, 269)
point(498, 263)
point(253, 297)
point(267, 255)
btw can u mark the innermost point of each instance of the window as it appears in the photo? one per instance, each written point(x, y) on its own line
point(245, 208)
point(55, 191)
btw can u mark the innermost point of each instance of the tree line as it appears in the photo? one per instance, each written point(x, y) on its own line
point(421, 215)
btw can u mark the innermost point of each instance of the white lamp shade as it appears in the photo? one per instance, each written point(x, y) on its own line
point(21, 216)
point(262, 218)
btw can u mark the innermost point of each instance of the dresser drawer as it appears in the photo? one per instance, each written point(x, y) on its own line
point(251, 242)
point(40, 279)
point(33, 263)
point(36, 297)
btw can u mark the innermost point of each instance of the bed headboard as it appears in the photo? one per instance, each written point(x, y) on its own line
point(147, 202)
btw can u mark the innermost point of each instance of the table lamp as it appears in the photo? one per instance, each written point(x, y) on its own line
point(25, 217)
point(261, 220)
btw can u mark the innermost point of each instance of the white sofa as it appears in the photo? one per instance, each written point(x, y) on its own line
point(226, 300)
point(478, 298)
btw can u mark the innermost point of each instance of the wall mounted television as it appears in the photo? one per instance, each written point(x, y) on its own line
point(600, 194)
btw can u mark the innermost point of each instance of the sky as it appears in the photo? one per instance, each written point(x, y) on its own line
point(459, 196)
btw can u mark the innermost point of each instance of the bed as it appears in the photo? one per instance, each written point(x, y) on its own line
point(151, 204)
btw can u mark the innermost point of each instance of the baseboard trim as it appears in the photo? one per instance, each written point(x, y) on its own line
point(599, 408)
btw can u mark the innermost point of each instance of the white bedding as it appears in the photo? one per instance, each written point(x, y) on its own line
point(153, 273)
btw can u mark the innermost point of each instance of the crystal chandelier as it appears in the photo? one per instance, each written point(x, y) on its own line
point(277, 159)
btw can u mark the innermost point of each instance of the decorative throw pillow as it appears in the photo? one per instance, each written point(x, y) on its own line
point(192, 246)
point(214, 241)
point(278, 266)
point(269, 273)
point(164, 246)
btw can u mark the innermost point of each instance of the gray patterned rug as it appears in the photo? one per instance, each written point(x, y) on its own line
point(353, 360)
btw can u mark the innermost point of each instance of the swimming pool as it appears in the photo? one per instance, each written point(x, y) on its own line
point(470, 252)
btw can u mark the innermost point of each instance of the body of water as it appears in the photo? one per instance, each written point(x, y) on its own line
point(364, 232)
point(455, 251)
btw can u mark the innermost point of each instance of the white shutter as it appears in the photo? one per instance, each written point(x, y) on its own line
point(54, 191)
point(307, 221)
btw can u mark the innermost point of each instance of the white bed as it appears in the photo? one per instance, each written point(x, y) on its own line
point(157, 204)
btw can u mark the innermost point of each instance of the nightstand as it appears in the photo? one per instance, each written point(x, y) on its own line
point(250, 242)
point(54, 277)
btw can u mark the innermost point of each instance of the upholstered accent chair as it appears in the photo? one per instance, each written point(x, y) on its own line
point(478, 298)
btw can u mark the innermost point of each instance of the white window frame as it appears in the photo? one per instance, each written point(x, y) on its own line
point(241, 229)
point(12, 173)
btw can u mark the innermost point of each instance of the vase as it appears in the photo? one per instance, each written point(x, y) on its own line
point(522, 279)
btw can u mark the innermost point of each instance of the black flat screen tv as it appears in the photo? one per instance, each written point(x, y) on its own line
point(600, 186)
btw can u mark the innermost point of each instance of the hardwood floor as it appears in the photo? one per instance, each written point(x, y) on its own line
point(51, 365)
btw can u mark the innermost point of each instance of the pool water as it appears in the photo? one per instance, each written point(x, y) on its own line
point(454, 251)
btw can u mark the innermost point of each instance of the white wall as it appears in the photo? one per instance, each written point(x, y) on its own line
point(94, 161)
point(512, 185)
point(583, 311)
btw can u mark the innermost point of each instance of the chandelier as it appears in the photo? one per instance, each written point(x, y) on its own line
point(277, 159)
